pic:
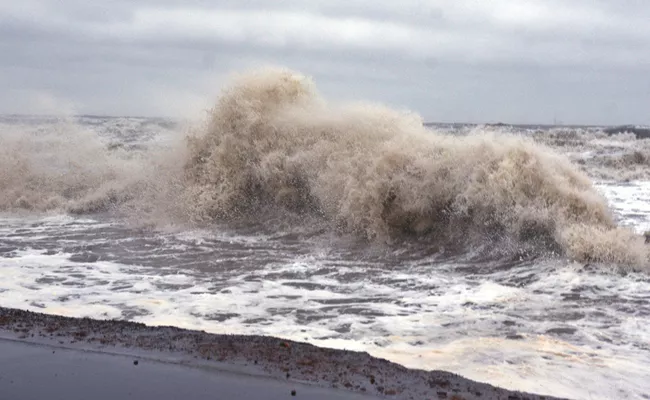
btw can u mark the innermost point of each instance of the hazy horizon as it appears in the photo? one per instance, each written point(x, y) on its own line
point(425, 122)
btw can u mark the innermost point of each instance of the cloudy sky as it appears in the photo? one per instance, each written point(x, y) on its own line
point(527, 61)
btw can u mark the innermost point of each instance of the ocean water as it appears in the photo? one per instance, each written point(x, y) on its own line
point(511, 255)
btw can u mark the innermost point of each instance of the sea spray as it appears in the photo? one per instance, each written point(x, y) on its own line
point(273, 151)
point(63, 167)
point(272, 141)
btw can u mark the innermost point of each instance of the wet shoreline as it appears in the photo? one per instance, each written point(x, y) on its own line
point(256, 356)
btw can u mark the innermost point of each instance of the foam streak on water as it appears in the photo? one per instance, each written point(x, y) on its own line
point(511, 255)
point(531, 325)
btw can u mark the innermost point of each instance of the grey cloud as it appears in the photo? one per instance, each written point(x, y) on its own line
point(466, 60)
point(573, 35)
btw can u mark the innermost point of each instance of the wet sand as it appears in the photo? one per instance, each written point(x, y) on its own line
point(34, 372)
point(71, 358)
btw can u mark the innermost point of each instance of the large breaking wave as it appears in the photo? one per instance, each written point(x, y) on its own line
point(271, 144)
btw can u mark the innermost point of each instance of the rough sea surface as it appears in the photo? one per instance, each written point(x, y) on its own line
point(86, 231)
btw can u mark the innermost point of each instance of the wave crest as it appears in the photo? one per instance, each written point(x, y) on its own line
point(273, 151)
point(272, 141)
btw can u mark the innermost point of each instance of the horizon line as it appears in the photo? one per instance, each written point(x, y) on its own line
point(425, 123)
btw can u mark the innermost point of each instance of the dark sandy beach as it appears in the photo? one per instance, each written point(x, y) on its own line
point(46, 355)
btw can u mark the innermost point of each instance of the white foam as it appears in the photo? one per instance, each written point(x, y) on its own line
point(424, 313)
point(439, 320)
point(631, 201)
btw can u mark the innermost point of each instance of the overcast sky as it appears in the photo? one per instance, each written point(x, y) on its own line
point(527, 61)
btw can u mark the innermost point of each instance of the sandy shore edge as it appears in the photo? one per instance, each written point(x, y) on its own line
point(256, 356)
